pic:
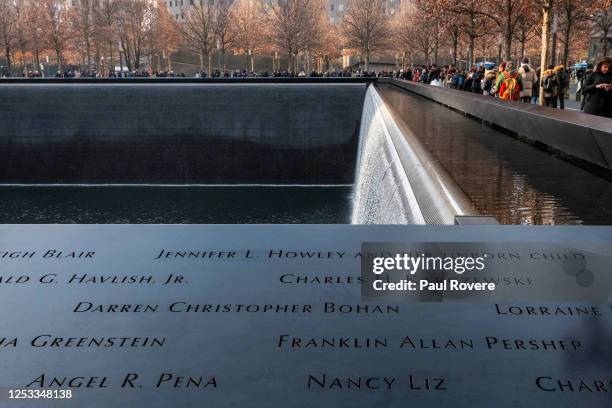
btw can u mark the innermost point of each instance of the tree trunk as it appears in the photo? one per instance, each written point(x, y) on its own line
point(88, 49)
point(566, 41)
point(120, 63)
point(508, 41)
point(605, 48)
point(553, 50)
point(471, 54)
point(110, 49)
point(366, 61)
point(137, 60)
point(8, 59)
point(209, 65)
point(128, 61)
point(23, 63)
point(455, 45)
point(436, 48)
point(59, 60)
point(544, 49)
point(97, 57)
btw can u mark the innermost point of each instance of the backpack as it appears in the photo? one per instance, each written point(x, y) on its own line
point(484, 85)
point(549, 84)
point(455, 81)
point(510, 89)
point(476, 82)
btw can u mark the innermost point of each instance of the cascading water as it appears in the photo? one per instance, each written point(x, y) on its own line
point(396, 179)
point(382, 192)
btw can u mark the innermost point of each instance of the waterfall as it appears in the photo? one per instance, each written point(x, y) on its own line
point(396, 179)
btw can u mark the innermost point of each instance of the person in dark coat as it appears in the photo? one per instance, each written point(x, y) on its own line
point(598, 90)
point(583, 79)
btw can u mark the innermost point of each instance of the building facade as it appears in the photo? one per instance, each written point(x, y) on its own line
point(335, 8)
point(596, 47)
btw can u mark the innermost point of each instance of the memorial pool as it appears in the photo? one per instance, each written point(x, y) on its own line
point(172, 204)
point(337, 152)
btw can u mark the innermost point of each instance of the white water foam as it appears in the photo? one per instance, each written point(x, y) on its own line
point(383, 194)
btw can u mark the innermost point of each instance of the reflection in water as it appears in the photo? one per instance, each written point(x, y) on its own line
point(504, 177)
point(193, 204)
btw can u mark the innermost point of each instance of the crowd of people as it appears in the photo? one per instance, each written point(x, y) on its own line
point(77, 73)
point(523, 83)
point(506, 81)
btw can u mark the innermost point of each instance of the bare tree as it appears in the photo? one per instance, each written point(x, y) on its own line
point(526, 29)
point(472, 21)
point(83, 25)
point(249, 29)
point(57, 30)
point(21, 31)
point(573, 13)
point(294, 26)
point(412, 31)
point(366, 27)
point(164, 35)
point(328, 46)
point(106, 15)
point(134, 22)
point(198, 30)
point(223, 28)
point(35, 32)
point(8, 17)
point(546, 7)
point(505, 14)
point(601, 18)
point(402, 38)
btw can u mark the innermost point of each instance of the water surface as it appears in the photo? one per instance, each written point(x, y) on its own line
point(169, 205)
point(504, 177)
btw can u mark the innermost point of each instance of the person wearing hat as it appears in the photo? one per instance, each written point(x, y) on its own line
point(550, 83)
point(598, 89)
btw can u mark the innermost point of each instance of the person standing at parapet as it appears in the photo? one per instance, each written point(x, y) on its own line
point(563, 79)
point(488, 82)
point(550, 83)
point(528, 77)
point(509, 83)
point(583, 80)
point(598, 90)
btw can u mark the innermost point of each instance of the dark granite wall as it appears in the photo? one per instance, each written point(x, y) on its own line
point(179, 133)
point(573, 133)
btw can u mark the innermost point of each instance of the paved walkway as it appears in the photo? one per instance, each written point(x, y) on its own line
point(572, 103)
